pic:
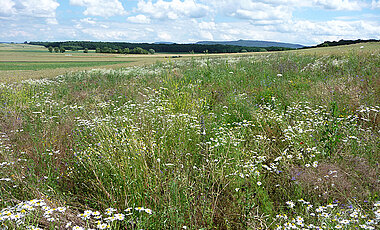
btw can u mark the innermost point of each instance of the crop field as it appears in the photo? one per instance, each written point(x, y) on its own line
point(21, 61)
point(286, 140)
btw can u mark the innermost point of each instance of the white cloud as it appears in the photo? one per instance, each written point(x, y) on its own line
point(52, 21)
point(307, 32)
point(258, 12)
point(234, 3)
point(375, 4)
point(118, 32)
point(7, 7)
point(14, 34)
point(139, 19)
point(88, 21)
point(274, 12)
point(173, 10)
point(206, 35)
point(36, 9)
point(109, 35)
point(164, 36)
point(338, 4)
point(207, 25)
point(104, 8)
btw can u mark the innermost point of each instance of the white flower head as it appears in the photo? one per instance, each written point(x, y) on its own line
point(290, 204)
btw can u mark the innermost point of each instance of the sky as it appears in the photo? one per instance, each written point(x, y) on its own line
point(306, 22)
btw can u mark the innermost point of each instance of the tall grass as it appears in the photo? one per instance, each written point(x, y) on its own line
point(214, 143)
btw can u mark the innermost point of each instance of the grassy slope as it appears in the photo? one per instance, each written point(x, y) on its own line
point(213, 142)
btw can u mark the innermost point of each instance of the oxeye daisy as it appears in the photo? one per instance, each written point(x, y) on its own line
point(77, 228)
point(290, 204)
point(149, 211)
point(119, 216)
point(102, 226)
point(139, 209)
point(61, 209)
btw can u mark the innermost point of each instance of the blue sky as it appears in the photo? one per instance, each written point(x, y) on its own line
point(183, 21)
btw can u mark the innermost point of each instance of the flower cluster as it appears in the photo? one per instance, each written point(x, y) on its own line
point(330, 216)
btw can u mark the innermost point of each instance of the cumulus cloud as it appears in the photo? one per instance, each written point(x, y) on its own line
point(207, 25)
point(43, 9)
point(109, 35)
point(164, 36)
point(258, 12)
point(172, 10)
point(52, 21)
point(338, 4)
point(88, 21)
point(104, 8)
point(307, 32)
point(375, 4)
point(6, 7)
point(139, 19)
point(37, 8)
point(206, 35)
point(273, 12)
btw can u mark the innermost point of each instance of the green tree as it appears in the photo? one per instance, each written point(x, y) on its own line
point(50, 49)
point(85, 50)
point(139, 50)
point(97, 50)
point(62, 50)
point(126, 50)
point(106, 50)
point(56, 49)
point(152, 51)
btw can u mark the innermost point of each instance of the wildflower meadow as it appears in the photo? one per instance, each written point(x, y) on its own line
point(266, 141)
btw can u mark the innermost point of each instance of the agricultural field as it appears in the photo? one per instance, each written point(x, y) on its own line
point(21, 61)
point(286, 140)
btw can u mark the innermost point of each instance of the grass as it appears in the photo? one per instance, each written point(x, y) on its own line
point(265, 141)
point(52, 65)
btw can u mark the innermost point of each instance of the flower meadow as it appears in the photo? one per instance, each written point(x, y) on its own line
point(268, 141)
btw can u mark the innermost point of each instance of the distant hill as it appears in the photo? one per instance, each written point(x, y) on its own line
point(251, 43)
point(166, 43)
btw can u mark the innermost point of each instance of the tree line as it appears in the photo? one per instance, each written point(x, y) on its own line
point(143, 48)
point(341, 42)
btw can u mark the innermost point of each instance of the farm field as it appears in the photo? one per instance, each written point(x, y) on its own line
point(22, 61)
point(286, 140)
